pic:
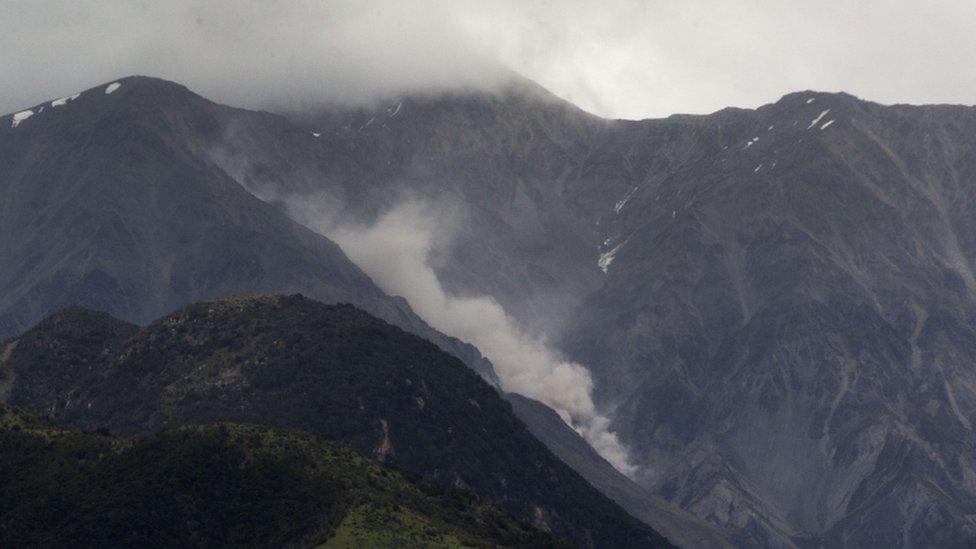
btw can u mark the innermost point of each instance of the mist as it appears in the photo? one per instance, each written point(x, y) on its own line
point(269, 55)
point(394, 252)
point(619, 58)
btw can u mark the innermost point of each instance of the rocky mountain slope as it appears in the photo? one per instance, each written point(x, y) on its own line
point(331, 370)
point(127, 202)
point(680, 527)
point(499, 171)
point(224, 485)
point(775, 303)
point(785, 329)
point(110, 200)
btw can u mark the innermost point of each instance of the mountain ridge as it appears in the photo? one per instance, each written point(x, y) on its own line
point(521, 87)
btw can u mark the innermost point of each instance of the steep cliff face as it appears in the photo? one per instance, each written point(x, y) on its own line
point(775, 303)
point(680, 527)
point(785, 328)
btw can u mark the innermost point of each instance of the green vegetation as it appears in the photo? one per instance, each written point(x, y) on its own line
point(331, 370)
point(224, 485)
point(369, 526)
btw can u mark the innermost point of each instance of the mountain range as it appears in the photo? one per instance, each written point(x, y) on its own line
point(775, 305)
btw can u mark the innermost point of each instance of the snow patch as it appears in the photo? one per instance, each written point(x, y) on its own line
point(20, 117)
point(64, 100)
point(751, 142)
point(623, 202)
point(112, 87)
point(769, 129)
point(811, 100)
point(827, 125)
point(759, 167)
point(366, 125)
point(316, 134)
point(399, 105)
point(606, 258)
point(818, 119)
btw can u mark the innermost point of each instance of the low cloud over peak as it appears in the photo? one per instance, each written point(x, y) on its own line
point(259, 55)
point(621, 58)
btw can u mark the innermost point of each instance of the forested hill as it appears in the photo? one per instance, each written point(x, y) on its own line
point(224, 485)
point(288, 361)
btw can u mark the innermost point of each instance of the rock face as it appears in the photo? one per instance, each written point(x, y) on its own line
point(680, 527)
point(786, 329)
point(333, 370)
point(776, 304)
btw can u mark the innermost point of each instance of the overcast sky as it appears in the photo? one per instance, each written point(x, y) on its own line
point(616, 58)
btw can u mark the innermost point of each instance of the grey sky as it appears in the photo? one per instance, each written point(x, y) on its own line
point(620, 58)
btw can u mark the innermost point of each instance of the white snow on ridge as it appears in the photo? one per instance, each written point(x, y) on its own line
point(622, 202)
point(607, 258)
point(112, 87)
point(818, 119)
point(827, 125)
point(64, 100)
point(20, 117)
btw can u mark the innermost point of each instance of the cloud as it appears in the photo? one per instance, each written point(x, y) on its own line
point(619, 58)
point(394, 252)
point(255, 54)
point(654, 58)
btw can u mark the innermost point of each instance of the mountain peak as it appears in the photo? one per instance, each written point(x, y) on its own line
point(809, 97)
point(141, 93)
